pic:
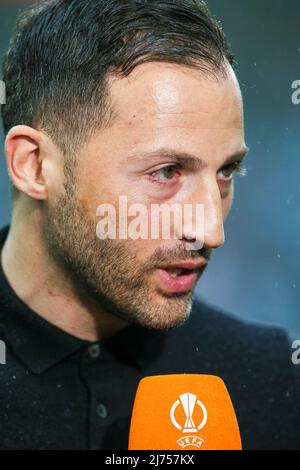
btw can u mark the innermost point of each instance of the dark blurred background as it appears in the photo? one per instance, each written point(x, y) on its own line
point(256, 274)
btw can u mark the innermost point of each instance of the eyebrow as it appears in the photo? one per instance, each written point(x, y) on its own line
point(187, 160)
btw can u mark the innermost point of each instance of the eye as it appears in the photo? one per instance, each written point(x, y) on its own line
point(229, 170)
point(164, 174)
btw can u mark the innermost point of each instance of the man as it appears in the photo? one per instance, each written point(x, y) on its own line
point(109, 99)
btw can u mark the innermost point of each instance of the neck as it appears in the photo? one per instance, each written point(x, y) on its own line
point(42, 286)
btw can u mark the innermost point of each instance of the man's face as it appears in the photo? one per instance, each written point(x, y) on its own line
point(161, 110)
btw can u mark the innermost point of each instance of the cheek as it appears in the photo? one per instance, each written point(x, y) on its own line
point(93, 189)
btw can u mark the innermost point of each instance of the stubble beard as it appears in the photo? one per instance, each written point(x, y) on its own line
point(107, 271)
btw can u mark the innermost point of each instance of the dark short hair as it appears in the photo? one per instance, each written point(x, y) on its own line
point(63, 51)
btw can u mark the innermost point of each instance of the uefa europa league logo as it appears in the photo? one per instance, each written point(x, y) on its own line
point(188, 401)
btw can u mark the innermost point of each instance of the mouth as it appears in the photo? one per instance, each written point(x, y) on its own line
point(180, 278)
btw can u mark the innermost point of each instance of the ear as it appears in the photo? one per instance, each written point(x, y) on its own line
point(25, 162)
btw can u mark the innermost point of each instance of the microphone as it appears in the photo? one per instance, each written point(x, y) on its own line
point(186, 411)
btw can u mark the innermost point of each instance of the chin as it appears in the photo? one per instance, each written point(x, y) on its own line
point(171, 314)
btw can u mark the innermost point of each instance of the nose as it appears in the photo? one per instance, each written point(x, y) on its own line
point(205, 224)
point(214, 235)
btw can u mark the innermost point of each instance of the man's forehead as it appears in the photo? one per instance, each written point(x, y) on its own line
point(170, 91)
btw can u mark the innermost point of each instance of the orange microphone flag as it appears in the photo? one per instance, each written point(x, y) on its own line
point(183, 412)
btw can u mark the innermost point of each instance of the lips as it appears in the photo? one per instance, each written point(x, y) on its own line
point(186, 265)
point(177, 272)
point(180, 277)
